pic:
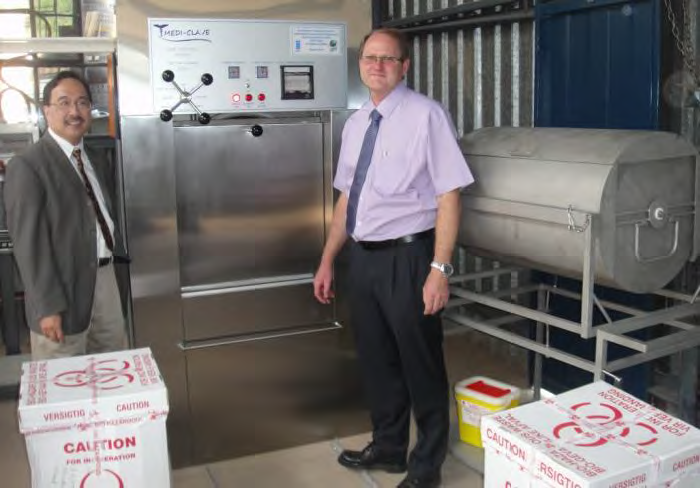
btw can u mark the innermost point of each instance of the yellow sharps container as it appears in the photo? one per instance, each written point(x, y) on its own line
point(479, 396)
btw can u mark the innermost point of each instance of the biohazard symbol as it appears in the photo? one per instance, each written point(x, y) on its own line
point(109, 374)
point(105, 479)
point(639, 434)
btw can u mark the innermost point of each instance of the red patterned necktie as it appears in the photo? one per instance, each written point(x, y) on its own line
point(95, 205)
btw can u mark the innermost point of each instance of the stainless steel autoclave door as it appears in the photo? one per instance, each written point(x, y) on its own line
point(250, 224)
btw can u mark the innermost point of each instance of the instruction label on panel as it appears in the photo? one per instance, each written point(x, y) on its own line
point(317, 40)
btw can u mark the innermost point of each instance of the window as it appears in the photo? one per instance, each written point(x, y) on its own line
point(15, 81)
point(23, 76)
point(58, 18)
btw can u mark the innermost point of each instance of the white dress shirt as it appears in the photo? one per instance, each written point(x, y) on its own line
point(68, 148)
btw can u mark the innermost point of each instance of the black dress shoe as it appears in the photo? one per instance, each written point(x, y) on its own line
point(372, 457)
point(411, 481)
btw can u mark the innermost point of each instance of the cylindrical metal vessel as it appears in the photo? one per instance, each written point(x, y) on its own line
point(538, 189)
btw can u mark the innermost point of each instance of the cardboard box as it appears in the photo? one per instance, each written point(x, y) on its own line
point(95, 420)
point(596, 436)
point(504, 474)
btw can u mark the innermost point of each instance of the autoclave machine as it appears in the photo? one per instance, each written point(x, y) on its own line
point(227, 196)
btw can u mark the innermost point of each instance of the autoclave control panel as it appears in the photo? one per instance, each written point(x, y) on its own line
point(244, 65)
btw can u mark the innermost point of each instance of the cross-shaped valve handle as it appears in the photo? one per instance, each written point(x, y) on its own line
point(186, 97)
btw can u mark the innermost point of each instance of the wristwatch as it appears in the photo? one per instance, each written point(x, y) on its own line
point(445, 268)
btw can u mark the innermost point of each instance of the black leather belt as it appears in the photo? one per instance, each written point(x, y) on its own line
point(112, 259)
point(375, 245)
point(105, 261)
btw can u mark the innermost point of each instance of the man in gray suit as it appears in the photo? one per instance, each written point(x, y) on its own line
point(61, 220)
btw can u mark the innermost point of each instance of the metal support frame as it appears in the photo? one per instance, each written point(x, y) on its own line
point(683, 335)
point(688, 336)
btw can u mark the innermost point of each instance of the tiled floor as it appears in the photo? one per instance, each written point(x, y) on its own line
point(309, 466)
point(313, 465)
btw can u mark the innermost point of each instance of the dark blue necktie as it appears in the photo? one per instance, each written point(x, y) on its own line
point(361, 171)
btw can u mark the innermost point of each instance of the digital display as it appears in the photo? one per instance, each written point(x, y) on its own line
point(234, 72)
point(261, 72)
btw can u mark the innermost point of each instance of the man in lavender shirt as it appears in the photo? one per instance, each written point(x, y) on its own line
point(401, 246)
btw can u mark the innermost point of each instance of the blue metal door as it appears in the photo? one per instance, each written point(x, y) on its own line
point(597, 66)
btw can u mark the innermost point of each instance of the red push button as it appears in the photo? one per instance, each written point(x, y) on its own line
point(261, 97)
point(249, 98)
point(236, 97)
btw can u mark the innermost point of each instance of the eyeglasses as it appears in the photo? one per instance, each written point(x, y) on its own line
point(65, 105)
point(381, 59)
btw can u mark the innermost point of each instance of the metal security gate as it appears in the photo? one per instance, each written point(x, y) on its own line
point(475, 57)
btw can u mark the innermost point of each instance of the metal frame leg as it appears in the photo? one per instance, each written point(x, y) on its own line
point(601, 357)
point(587, 285)
point(539, 337)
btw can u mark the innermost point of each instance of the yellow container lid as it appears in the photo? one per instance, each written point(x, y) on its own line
point(487, 390)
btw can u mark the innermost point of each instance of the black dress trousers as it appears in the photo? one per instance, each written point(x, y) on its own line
point(400, 351)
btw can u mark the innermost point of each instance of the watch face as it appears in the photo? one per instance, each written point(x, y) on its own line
point(445, 268)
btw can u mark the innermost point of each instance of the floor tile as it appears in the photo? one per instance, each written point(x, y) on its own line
point(194, 477)
point(316, 465)
point(14, 465)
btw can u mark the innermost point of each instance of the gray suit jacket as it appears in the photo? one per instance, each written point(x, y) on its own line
point(52, 224)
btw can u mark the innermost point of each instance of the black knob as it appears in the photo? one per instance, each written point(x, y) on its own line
point(168, 76)
point(204, 118)
point(256, 130)
point(166, 115)
point(207, 79)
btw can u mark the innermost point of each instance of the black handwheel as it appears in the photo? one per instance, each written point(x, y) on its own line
point(204, 118)
point(168, 76)
point(207, 79)
point(166, 115)
point(256, 130)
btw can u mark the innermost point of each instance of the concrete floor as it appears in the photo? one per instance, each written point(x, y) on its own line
point(468, 353)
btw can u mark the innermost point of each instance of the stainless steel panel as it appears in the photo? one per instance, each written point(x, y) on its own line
point(132, 32)
point(249, 207)
point(252, 311)
point(340, 271)
point(149, 189)
point(264, 395)
point(149, 195)
point(164, 320)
